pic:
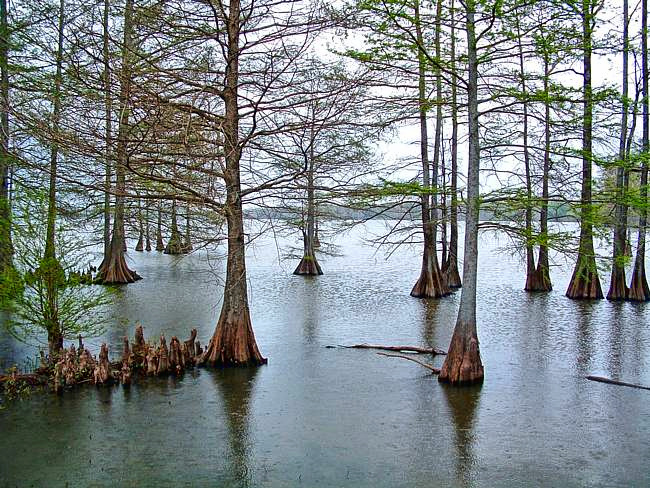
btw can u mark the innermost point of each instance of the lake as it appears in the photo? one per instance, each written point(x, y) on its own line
point(331, 417)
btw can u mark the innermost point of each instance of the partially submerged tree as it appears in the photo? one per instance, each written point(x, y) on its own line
point(618, 289)
point(585, 282)
point(639, 290)
point(114, 269)
point(463, 363)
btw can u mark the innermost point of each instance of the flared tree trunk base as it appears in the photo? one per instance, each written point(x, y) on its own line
point(584, 284)
point(430, 284)
point(451, 274)
point(175, 246)
point(618, 289)
point(140, 245)
point(463, 365)
point(114, 270)
point(639, 291)
point(308, 266)
point(54, 345)
point(233, 343)
point(538, 280)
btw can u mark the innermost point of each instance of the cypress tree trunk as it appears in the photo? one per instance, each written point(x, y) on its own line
point(451, 265)
point(140, 245)
point(463, 363)
point(6, 246)
point(639, 290)
point(431, 283)
point(147, 228)
point(175, 244)
point(187, 245)
point(585, 282)
point(108, 104)
point(542, 280)
point(114, 269)
point(531, 274)
point(50, 269)
point(309, 264)
point(618, 286)
point(233, 342)
point(160, 246)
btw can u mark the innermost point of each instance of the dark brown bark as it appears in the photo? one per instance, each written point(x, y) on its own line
point(585, 283)
point(233, 342)
point(463, 363)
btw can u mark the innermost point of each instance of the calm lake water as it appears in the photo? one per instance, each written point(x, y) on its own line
point(321, 417)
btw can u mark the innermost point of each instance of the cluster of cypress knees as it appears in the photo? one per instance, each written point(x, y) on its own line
point(76, 365)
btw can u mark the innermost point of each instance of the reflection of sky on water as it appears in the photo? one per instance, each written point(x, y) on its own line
point(337, 417)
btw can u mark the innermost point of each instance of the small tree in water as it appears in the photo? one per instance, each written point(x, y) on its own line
point(57, 297)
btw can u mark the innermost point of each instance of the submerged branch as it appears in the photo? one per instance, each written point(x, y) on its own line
point(602, 379)
point(433, 369)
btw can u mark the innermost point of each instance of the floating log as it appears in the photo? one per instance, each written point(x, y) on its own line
point(413, 349)
point(602, 379)
point(433, 369)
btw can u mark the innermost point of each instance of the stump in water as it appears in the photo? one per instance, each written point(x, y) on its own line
point(102, 372)
point(139, 346)
point(176, 357)
point(190, 348)
point(163, 357)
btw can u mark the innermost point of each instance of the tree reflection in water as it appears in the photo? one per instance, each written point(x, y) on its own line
point(235, 386)
point(463, 403)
